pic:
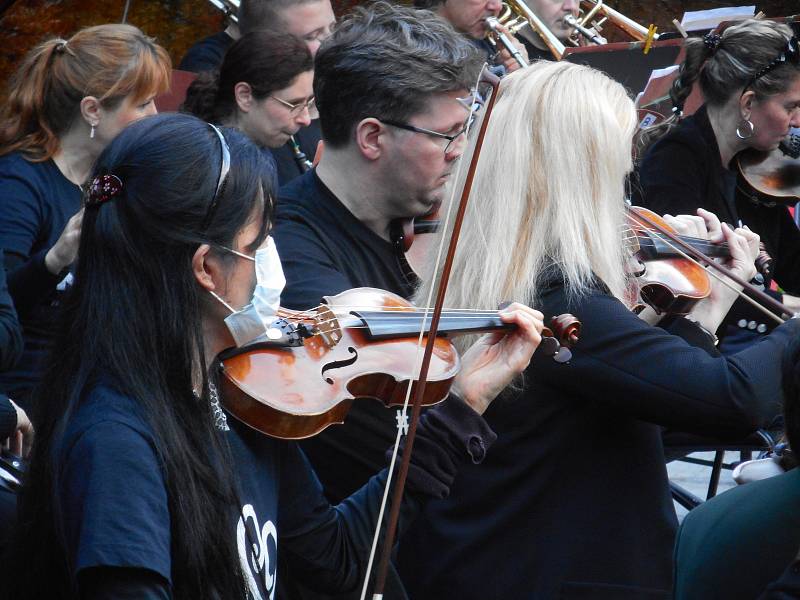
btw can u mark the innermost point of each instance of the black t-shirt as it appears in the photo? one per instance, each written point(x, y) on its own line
point(207, 54)
point(325, 250)
point(36, 201)
point(115, 510)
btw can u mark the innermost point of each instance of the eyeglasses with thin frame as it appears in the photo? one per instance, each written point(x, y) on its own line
point(472, 103)
point(295, 109)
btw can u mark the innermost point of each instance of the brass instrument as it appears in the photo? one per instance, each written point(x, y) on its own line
point(229, 7)
point(598, 7)
point(515, 15)
point(501, 37)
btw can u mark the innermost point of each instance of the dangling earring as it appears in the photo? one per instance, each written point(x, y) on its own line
point(91, 132)
point(750, 130)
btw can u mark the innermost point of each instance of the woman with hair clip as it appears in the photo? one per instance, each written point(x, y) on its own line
point(140, 485)
point(264, 88)
point(574, 501)
point(66, 102)
point(750, 79)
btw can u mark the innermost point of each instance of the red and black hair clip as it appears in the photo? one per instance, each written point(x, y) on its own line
point(103, 189)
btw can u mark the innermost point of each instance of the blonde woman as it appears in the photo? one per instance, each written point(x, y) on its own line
point(574, 500)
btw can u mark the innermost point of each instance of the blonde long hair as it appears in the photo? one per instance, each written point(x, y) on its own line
point(549, 189)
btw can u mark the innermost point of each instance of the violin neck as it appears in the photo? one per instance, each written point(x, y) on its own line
point(387, 325)
point(653, 246)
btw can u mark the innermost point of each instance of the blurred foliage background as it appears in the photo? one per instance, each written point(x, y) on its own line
point(177, 24)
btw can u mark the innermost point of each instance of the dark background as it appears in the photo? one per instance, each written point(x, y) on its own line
point(176, 24)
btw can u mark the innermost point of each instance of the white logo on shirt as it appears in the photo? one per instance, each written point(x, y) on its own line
point(257, 553)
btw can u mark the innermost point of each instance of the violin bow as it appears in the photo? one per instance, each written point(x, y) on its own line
point(486, 77)
point(749, 292)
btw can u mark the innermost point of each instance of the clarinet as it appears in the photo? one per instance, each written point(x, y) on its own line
point(299, 156)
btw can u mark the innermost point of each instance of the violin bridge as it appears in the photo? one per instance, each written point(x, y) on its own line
point(327, 325)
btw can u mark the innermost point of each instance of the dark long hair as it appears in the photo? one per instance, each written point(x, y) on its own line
point(266, 60)
point(134, 318)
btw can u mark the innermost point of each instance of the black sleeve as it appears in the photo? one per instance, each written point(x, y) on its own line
point(786, 587)
point(10, 330)
point(112, 583)
point(327, 546)
point(644, 372)
point(29, 280)
point(8, 417)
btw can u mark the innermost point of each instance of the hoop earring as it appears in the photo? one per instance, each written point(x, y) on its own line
point(91, 133)
point(750, 127)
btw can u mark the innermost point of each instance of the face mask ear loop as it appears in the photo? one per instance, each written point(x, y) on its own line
point(221, 301)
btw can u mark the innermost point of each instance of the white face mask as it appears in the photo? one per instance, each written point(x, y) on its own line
point(256, 318)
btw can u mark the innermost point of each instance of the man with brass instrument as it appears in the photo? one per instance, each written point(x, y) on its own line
point(469, 17)
point(309, 20)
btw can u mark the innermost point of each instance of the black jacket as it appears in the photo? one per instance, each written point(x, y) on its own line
point(683, 171)
point(574, 501)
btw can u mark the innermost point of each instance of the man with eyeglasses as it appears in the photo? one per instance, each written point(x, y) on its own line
point(392, 86)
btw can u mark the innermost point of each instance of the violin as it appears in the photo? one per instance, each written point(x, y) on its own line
point(304, 373)
point(771, 178)
point(411, 241)
point(669, 282)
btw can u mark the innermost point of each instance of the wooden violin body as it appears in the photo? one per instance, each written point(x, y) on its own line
point(771, 178)
point(667, 282)
point(363, 343)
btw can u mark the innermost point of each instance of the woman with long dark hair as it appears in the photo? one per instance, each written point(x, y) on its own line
point(139, 483)
point(66, 102)
point(264, 89)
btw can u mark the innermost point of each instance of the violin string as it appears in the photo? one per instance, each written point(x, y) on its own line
point(722, 280)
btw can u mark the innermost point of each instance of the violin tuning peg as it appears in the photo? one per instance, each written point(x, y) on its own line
point(549, 346)
point(564, 355)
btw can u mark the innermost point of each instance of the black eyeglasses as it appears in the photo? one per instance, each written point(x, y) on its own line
point(473, 103)
point(790, 54)
point(450, 138)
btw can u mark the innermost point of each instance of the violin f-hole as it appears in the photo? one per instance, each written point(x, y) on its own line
point(336, 364)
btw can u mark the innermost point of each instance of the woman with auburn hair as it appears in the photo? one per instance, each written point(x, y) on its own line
point(140, 485)
point(264, 89)
point(574, 501)
point(750, 79)
point(66, 102)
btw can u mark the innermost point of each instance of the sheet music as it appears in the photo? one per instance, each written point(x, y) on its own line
point(697, 20)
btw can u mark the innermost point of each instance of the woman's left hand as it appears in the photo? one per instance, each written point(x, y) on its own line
point(496, 358)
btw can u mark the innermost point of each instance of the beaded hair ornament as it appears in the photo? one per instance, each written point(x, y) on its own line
point(712, 40)
point(103, 189)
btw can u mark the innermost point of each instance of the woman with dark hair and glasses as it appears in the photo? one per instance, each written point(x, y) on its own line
point(264, 89)
point(750, 79)
point(140, 485)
